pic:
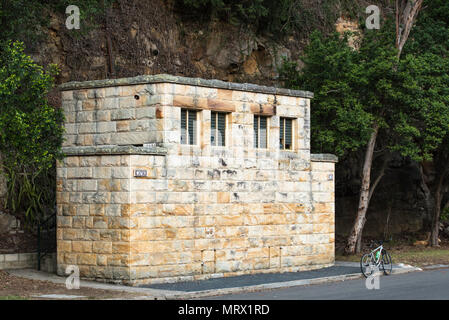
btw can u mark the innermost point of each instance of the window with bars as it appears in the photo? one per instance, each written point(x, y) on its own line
point(286, 134)
point(218, 129)
point(260, 132)
point(188, 126)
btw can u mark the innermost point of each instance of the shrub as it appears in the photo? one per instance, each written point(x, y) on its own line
point(30, 133)
point(279, 17)
point(24, 19)
point(263, 15)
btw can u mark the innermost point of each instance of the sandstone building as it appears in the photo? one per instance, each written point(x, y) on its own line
point(169, 179)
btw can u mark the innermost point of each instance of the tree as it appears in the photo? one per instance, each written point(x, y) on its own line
point(406, 14)
point(430, 37)
point(362, 94)
point(30, 131)
point(352, 89)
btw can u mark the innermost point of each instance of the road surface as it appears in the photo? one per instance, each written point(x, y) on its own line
point(432, 284)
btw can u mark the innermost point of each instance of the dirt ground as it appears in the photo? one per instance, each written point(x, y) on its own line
point(15, 288)
point(17, 243)
point(405, 252)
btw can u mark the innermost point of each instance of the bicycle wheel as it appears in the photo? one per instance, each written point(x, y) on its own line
point(367, 264)
point(387, 263)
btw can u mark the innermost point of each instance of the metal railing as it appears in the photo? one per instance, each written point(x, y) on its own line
point(46, 238)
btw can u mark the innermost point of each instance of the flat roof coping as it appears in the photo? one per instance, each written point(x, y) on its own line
point(113, 150)
point(166, 78)
point(323, 157)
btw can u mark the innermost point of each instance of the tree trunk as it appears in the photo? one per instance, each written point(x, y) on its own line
point(428, 197)
point(376, 182)
point(434, 232)
point(406, 13)
point(433, 241)
point(355, 236)
point(380, 176)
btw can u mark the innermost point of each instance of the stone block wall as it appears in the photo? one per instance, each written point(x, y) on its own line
point(201, 211)
point(27, 261)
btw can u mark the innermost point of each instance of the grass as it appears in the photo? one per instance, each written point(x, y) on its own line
point(416, 256)
point(12, 298)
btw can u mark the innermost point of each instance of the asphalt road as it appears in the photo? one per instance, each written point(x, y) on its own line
point(254, 279)
point(422, 285)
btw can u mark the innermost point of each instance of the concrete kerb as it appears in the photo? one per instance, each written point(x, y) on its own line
point(436, 266)
point(261, 287)
point(157, 294)
point(398, 269)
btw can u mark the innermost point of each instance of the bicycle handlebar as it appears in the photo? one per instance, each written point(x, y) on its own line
point(379, 242)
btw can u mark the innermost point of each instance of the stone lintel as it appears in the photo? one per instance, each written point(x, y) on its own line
point(165, 78)
point(113, 150)
point(323, 157)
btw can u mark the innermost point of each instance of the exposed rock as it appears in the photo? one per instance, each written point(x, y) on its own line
point(343, 25)
point(134, 30)
point(397, 206)
point(147, 38)
point(7, 223)
point(250, 66)
point(224, 50)
point(425, 242)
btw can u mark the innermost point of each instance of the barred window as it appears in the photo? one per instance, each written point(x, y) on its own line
point(188, 126)
point(286, 134)
point(260, 132)
point(218, 129)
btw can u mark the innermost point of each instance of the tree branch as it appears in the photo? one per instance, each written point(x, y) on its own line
point(406, 14)
point(379, 177)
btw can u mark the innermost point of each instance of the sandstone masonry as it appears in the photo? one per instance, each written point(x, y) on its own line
point(135, 205)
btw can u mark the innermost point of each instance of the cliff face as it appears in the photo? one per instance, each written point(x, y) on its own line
point(398, 205)
point(150, 37)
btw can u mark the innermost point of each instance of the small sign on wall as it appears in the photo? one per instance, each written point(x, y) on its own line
point(140, 173)
point(330, 177)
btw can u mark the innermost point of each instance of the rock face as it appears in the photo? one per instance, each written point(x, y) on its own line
point(398, 204)
point(130, 43)
point(173, 211)
point(344, 25)
point(7, 223)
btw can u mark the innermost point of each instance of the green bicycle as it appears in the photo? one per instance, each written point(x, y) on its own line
point(378, 259)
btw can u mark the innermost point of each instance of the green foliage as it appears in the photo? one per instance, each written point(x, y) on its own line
point(30, 131)
point(340, 121)
point(431, 32)
point(423, 122)
point(91, 11)
point(23, 19)
point(427, 52)
point(354, 89)
point(278, 17)
point(445, 215)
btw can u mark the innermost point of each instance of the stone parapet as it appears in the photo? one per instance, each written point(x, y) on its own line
point(195, 82)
